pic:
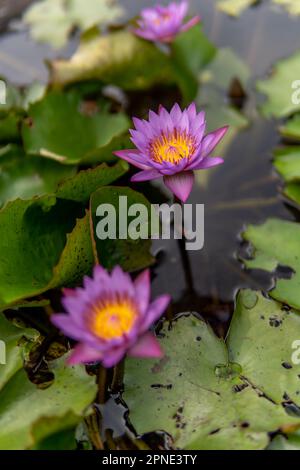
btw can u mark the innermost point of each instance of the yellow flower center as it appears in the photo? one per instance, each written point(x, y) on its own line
point(172, 148)
point(113, 320)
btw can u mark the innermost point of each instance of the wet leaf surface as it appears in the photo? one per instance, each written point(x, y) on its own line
point(208, 394)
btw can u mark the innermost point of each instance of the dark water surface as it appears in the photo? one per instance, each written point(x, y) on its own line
point(244, 190)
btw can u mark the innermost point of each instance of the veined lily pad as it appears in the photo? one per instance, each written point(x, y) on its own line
point(208, 394)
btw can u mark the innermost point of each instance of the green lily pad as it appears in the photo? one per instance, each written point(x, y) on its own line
point(10, 127)
point(208, 394)
point(278, 88)
point(29, 414)
point(287, 163)
point(52, 21)
point(36, 252)
point(119, 58)
point(234, 7)
point(291, 442)
point(24, 176)
point(187, 65)
point(276, 242)
point(216, 80)
point(122, 59)
point(61, 128)
point(131, 254)
point(83, 184)
point(292, 6)
point(15, 345)
point(291, 129)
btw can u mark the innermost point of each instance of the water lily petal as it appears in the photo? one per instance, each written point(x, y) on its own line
point(147, 346)
point(180, 184)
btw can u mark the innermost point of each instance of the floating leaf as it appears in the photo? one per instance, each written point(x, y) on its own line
point(292, 442)
point(278, 88)
point(83, 184)
point(234, 7)
point(24, 176)
point(36, 254)
point(15, 344)
point(187, 65)
point(131, 254)
point(210, 395)
point(292, 6)
point(119, 58)
point(291, 129)
point(29, 415)
point(276, 243)
point(60, 128)
point(52, 21)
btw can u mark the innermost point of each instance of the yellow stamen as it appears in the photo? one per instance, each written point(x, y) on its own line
point(172, 147)
point(113, 319)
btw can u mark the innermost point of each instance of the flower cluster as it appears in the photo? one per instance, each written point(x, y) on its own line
point(110, 316)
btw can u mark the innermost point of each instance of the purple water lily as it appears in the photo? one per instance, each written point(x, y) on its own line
point(163, 23)
point(172, 145)
point(111, 316)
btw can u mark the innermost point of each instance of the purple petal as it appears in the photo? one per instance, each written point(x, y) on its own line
point(142, 290)
point(180, 184)
point(113, 357)
point(65, 324)
point(146, 175)
point(211, 140)
point(155, 311)
point(121, 282)
point(83, 354)
point(147, 346)
point(190, 24)
point(204, 163)
point(134, 157)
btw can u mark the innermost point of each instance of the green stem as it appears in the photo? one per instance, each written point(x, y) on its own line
point(118, 377)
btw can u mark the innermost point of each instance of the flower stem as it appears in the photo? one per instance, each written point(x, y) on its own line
point(184, 255)
point(102, 379)
point(118, 377)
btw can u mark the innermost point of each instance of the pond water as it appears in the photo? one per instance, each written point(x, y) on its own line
point(243, 190)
